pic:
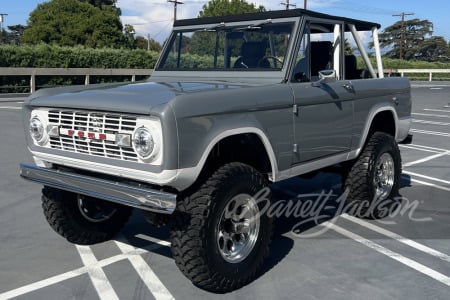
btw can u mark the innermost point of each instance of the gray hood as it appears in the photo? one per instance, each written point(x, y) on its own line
point(138, 98)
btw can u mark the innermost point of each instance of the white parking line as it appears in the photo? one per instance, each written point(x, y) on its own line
point(431, 115)
point(438, 110)
point(428, 147)
point(398, 238)
point(427, 177)
point(430, 122)
point(428, 158)
point(430, 184)
point(156, 287)
point(98, 277)
point(74, 273)
point(418, 149)
point(10, 107)
point(391, 254)
point(58, 278)
point(431, 132)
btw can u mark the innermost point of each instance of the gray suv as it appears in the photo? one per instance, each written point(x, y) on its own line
point(235, 103)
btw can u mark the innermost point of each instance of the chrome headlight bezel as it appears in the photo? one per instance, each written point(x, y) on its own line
point(143, 142)
point(38, 129)
point(152, 126)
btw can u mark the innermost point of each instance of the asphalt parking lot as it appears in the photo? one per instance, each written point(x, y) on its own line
point(406, 256)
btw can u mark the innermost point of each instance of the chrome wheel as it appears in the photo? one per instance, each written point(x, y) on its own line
point(95, 210)
point(384, 176)
point(238, 228)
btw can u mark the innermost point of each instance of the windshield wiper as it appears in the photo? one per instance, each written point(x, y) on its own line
point(213, 28)
point(256, 26)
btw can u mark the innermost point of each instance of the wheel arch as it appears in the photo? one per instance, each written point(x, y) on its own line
point(382, 117)
point(224, 140)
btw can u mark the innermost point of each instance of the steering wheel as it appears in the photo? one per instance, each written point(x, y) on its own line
point(267, 57)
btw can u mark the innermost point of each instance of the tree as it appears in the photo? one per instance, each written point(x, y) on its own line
point(435, 48)
point(73, 22)
point(201, 41)
point(15, 33)
point(143, 43)
point(415, 32)
point(215, 8)
point(100, 3)
point(129, 35)
point(104, 5)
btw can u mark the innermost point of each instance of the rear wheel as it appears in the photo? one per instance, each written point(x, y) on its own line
point(220, 235)
point(373, 181)
point(81, 219)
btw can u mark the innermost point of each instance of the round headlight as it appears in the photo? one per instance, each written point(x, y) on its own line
point(143, 142)
point(37, 129)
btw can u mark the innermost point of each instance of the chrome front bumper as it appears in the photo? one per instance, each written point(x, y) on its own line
point(143, 198)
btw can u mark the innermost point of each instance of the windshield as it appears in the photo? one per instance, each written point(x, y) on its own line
point(260, 46)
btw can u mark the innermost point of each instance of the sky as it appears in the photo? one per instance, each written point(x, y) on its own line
point(155, 17)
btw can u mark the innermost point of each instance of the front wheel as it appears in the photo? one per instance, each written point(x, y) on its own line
point(80, 219)
point(373, 181)
point(221, 236)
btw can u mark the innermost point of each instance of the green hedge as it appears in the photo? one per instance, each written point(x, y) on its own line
point(46, 56)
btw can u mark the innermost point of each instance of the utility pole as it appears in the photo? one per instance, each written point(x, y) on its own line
point(305, 4)
point(175, 5)
point(402, 30)
point(2, 17)
point(287, 4)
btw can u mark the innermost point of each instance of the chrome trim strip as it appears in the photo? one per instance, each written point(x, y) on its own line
point(314, 165)
point(142, 198)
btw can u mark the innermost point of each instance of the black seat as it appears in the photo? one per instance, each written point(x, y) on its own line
point(320, 56)
point(252, 53)
point(351, 70)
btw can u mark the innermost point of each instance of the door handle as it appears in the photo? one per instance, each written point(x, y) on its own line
point(349, 87)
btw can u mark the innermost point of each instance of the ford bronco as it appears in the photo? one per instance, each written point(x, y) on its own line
point(234, 104)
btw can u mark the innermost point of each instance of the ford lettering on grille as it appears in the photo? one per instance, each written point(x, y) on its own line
point(94, 133)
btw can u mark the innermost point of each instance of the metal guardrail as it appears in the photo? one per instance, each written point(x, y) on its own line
point(86, 72)
point(430, 72)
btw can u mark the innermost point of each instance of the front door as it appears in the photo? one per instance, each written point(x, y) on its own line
point(323, 112)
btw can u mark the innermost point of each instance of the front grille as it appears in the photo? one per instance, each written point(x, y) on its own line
point(94, 122)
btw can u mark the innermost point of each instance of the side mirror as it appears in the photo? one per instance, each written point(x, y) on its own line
point(325, 76)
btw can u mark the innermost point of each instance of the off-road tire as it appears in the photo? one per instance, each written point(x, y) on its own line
point(359, 181)
point(194, 232)
point(63, 214)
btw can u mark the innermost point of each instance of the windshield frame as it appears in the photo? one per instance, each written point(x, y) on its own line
point(278, 74)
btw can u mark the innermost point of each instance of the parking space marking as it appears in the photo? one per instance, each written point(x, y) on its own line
point(58, 278)
point(438, 110)
point(146, 274)
point(418, 149)
point(440, 187)
point(431, 132)
point(431, 115)
point(430, 122)
point(10, 107)
point(98, 277)
point(428, 158)
point(74, 273)
point(427, 147)
point(398, 238)
point(427, 177)
point(391, 254)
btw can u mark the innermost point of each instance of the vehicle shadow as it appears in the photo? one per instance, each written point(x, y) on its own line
point(324, 190)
